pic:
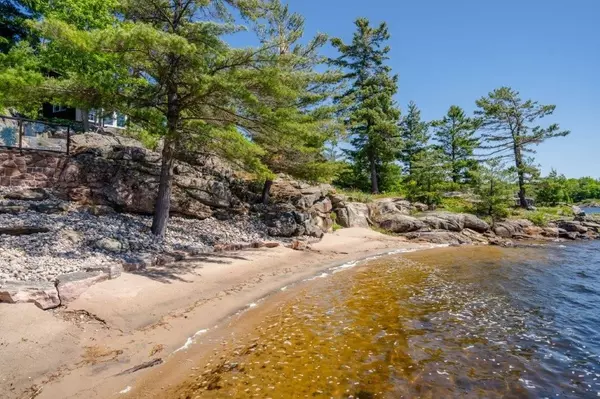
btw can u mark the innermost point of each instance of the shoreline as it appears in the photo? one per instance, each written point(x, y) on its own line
point(119, 324)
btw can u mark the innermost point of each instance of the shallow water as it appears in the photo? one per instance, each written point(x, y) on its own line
point(457, 322)
point(591, 211)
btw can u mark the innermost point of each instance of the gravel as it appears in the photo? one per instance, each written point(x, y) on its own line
point(72, 243)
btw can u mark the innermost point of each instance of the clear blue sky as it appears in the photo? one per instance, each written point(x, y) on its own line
point(455, 51)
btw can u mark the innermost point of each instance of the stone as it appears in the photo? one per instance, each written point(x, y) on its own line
point(444, 221)
point(510, 228)
point(474, 223)
point(354, 214)
point(338, 200)
point(419, 206)
point(572, 226)
point(399, 223)
point(439, 237)
point(113, 271)
point(139, 262)
point(577, 211)
point(23, 230)
point(282, 225)
point(51, 208)
point(381, 209)
point(324, 206)
point(13, 209)
point(33, 194)
point(98, 210)
point(43, 295)
point(70, 286)
point(111, 245)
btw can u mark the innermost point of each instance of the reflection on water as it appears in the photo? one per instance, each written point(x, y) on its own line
point(467, 322)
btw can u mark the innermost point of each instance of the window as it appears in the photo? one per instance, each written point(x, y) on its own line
point(92, 115)
point(109, 120)
point(58, 108)
point(121, 120)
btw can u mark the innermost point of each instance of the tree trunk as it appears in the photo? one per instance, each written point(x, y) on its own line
point(521, 176)
point(374, 184)
point(163, 201)
point(266, 192)
point(85, 120)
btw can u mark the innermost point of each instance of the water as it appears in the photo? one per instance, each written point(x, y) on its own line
point(591, 211)
point(457, 322)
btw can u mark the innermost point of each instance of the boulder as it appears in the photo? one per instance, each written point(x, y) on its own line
point(111, 245)
point(444, 221)
point(70, 286)
point(338, 200)
point(420, 207)
point(380, 210)
point(572, 226)
point(32, 194)
point(282, 225)
point(510, 228)
point(354, 214)
point(398, 223)
point(577, 211)
point(43, 295)
point(474, 223)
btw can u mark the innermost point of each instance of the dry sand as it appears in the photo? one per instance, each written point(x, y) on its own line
point(79, 351)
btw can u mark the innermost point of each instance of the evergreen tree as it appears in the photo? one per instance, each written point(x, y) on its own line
point(552, 189)
point(415, 137)
point(428, 176)
point(494, 189)
point(455, 135)
point(372, 113)
point(172, 73)
point(299, 148)
point(508, 130)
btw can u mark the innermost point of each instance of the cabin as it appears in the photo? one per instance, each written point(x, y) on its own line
point(99, 118)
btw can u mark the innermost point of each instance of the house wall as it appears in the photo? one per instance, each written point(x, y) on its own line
point(34, 169)
point(68, 114)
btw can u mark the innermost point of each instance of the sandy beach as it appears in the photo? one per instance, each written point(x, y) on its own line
point(91, 348)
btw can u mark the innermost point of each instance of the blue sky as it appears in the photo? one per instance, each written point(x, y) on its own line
point(455, 51)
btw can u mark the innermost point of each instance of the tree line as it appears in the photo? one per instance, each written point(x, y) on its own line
point(280, 106)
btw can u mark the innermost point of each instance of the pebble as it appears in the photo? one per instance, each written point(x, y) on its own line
point(70, 245)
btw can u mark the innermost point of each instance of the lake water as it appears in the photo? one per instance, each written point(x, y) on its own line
point(447, 323)
point(591, 211)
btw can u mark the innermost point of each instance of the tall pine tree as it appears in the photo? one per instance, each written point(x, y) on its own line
point(455, 136)
point(372, 113)
point(508, 130)
point(415, 137)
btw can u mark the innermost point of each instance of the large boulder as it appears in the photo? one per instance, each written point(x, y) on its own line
point(398, 223)
point(354, 214)
point(573, 226)
point(511, 228)
point(455, 222)
point(382, 209)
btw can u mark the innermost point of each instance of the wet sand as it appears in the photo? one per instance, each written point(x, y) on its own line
point(83, 350)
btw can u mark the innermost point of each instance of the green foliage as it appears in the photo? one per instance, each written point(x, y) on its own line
point(427, 181)
point(457, 205)
point(555, 189)
point(507, 120)
point(455, 136)
point(372, 112)
point(415, 137)
point(494, 190)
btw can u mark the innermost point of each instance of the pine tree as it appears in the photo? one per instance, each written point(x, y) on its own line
point(455, 136)
point(494, 189)
point(428, 176)
point(372, 113)
point(508, 130)
point(415, 137)
point(298, 149)
point(173, 74)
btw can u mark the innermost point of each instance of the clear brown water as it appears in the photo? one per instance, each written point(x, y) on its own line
point(466, 322)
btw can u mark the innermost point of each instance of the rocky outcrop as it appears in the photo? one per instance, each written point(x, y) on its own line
point(512, 228)
point(400, 223)
point(353, 214)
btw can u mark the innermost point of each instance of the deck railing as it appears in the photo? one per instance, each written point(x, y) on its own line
point(35, 135)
